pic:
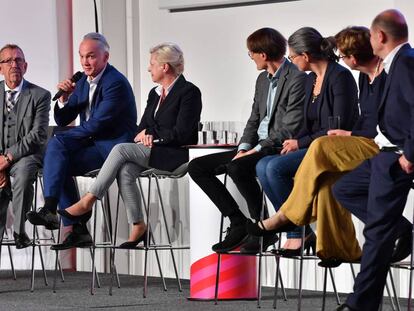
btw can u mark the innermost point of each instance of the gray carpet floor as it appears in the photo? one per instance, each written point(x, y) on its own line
point(73, 294)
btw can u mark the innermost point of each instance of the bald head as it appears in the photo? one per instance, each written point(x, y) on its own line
point(393, 24)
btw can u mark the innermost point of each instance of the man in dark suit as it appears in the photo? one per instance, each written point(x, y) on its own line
point(104, 100)
point(376, 191)
point(277, 114)
point(24, 120)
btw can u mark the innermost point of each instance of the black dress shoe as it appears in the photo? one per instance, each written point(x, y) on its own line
point(309, 248)
point(21, 240)
point(80, 218)
point(256, 230)
point(43, 217)
point(344, 307)
point(252, 246)
point(74, 240)
point(133, 244)
point(235, 237)
point(330, 263)
point(402, 247)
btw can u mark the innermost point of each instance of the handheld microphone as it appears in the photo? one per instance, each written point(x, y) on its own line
point(75, 78)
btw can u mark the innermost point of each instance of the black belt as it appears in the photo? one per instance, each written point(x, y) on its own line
point(391, 149)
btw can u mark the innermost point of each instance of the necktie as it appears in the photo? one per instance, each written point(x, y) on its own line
point(10, 100)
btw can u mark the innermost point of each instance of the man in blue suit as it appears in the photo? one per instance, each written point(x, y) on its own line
point(104, 101)
point(376, 191)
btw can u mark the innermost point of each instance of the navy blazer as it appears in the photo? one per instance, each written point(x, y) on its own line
point(396, 110)
point(175, 123)
point(338, 97)
point(113, 114)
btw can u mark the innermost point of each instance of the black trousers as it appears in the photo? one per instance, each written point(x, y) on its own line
point(204, 171)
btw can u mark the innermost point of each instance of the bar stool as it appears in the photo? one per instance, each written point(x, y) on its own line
point(41, 242)
point(157, 175)
point(8, 242)
point(327, 268)
point(260, 256)
point(302, 257)
point(104, 203)
point(36, 241)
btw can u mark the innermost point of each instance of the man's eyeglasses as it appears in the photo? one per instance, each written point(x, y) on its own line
point(342, 56)
point(19, 61)
point(250, 53)
point(292, 57)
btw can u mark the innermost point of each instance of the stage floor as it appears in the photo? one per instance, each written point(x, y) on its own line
point(74, 294)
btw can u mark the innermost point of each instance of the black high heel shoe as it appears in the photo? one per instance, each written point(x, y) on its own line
point(254, 228)
point(330, 263)
point(334, 262)
point(80, 218)
point(133, 244)
point(310, 244)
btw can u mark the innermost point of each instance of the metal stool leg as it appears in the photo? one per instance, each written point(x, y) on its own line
point(150, 236)
point(396, 305)
point(11, 262)
point(216, 289)
point(41, 259)
point(36, 238)
point(301, 269)
point(278, 276)
point(282, 287)
point(259, 287)
point(338, 301)
point(108, 226)
point(57, 258)
point(168, 235)
point(52, 235)
point(92, 250)
point(325, 281)
point(112, 253)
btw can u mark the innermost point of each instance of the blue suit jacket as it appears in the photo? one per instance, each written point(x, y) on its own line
point(338, 97)
point(396, 110)
point(112, 118)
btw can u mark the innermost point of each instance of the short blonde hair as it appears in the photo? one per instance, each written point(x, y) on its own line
point(171, 54)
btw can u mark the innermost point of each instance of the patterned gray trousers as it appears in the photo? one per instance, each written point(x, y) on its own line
point(124, 163)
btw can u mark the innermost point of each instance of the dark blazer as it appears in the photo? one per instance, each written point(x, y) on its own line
point(33, 107)
point(175, 123)
point(113, 112)
point(396, 109)
point(287, 115)
point(369, 100)
point(338, 97)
